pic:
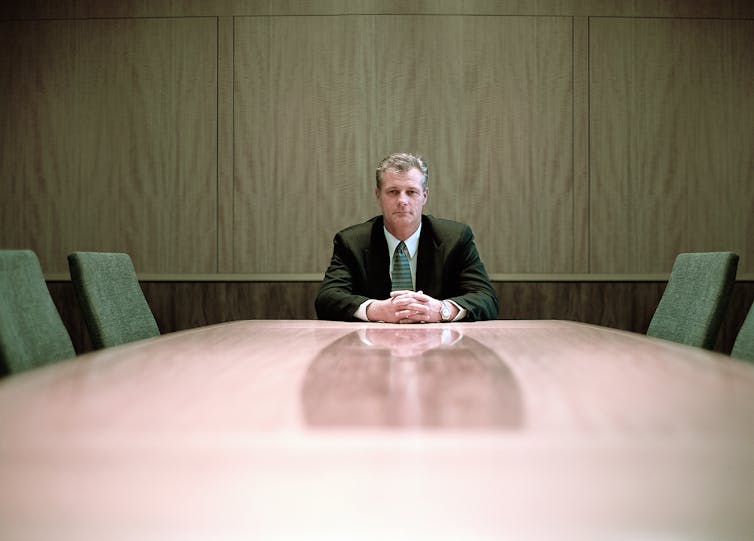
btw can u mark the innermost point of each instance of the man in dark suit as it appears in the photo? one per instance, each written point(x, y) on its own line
point(404, 266)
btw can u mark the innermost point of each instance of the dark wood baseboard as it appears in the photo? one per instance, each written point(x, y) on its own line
point(184, 305)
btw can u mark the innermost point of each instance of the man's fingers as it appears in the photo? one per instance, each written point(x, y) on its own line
point(399, 292)
point(406, 297)
point(421, 297)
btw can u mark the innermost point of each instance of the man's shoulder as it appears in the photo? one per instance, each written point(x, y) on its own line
point(362, 231)
point(445, 229)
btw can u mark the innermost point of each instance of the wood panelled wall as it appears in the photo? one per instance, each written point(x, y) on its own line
point(109, 140)
point(672, 141)
point(488, 100)
point(235, 138)
point(222, 143)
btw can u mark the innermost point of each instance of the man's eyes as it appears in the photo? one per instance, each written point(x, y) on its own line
point(412, 193)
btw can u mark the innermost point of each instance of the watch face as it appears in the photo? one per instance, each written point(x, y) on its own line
point(445, 311)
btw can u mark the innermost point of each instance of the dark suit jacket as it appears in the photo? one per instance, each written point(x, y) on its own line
point(448, 267)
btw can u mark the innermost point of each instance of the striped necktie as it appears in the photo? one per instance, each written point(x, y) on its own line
point(401, 269)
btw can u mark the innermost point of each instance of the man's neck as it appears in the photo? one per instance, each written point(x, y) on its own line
point(412, 241)
point(402, 234)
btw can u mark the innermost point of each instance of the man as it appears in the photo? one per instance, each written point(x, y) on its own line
point(403, 266)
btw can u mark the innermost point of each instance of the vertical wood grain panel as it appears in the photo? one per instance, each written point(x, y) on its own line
point(303, 128)
point(225, 118)
point(488, 101)
point(672, 141)
point(38, 94)
point(419, 99)
point(516, 186)
point(581, 144)
point(110, 126)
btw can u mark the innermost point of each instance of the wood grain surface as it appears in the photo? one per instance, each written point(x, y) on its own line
point(237, 137)
point(672, 120)
point(302, 138)
point(110, 140)
point(203, 8)
point(487, 101)
point(524, 429)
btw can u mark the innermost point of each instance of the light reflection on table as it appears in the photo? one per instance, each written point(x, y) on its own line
point(410, 377)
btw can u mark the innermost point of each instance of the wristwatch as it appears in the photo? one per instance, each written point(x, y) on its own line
point(444, 312)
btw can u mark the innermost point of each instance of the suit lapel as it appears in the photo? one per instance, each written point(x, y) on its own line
point(429, 263)
point(377, 263)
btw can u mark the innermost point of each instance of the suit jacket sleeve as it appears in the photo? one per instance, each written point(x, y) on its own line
point(469, 285)
point(337, 299)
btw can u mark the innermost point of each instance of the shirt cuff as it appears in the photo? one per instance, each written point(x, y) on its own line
point(459, 316)
point(361, 311)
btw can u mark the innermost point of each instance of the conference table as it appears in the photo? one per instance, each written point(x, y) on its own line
point(300, 429)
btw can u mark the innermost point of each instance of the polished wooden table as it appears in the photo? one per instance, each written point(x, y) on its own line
point(326, 430)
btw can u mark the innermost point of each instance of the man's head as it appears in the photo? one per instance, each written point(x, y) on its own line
point(403, 163)
point(402, 193)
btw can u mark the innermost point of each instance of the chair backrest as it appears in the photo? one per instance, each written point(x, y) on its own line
point(114, 307)
point(694, 302)
point(31, 331)
point(743, 348)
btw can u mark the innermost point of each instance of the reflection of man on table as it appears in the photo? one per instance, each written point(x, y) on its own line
point(405, 343)
point(403, 266)
point(410, 376)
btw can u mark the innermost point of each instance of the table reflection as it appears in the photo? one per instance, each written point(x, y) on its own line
point(424, 376)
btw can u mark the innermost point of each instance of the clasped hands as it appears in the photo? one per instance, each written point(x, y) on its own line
point(406, 307)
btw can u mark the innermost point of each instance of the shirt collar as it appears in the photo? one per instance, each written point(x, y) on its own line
point(412, 243)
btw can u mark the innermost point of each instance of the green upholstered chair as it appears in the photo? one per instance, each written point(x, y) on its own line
point(743, 348)
point(31, 331)
point(111, 299)
point(694, 302)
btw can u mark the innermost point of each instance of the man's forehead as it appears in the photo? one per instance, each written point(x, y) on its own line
point(395, 176)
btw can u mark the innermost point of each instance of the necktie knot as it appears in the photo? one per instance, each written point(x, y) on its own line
point(401, 269)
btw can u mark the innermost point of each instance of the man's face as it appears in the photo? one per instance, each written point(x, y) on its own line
point(401, 199)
